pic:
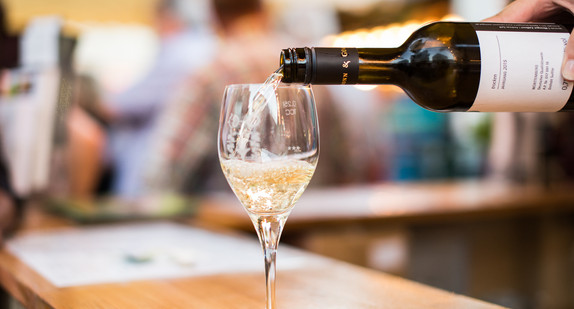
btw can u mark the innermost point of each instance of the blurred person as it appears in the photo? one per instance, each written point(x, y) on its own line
point(184, 47)
point(185, 151)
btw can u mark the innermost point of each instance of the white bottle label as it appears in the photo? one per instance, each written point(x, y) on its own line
point(520, 68)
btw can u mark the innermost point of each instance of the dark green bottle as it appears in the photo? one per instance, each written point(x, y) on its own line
point(453, 66)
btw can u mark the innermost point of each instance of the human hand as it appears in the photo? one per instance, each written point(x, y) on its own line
point(558, 11)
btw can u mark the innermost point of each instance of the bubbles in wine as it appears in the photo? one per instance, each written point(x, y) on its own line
point(269, 187)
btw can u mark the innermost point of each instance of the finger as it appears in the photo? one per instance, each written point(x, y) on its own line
point(568, 62)
point(526, 11)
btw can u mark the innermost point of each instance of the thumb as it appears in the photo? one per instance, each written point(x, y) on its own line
point(568, 62)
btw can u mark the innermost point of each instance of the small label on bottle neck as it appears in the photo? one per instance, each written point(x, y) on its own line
point(335, 66)
point(521, 68)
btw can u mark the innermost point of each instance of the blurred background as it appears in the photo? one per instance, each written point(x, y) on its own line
point(109, 110)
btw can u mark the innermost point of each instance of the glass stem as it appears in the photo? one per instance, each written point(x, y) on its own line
point(269, 228)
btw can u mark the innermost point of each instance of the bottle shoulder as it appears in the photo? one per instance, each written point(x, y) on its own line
point(447, 32)
point(441, 64)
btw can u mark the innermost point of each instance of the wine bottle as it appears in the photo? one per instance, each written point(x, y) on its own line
point(453, 66)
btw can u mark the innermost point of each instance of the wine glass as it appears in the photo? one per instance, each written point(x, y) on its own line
point(268, 149)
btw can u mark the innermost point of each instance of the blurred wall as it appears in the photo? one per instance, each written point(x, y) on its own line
point(129, 11)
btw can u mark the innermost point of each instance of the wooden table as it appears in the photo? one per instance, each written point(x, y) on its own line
point(469, 237)
point(317, 283)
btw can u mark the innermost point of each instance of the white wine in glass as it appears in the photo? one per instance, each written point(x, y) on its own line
point(268, 148)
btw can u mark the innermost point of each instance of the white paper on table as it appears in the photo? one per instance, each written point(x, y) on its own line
point(102, 254)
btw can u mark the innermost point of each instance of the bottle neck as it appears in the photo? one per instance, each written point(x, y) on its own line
point(340, 66)
point(381, 66)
